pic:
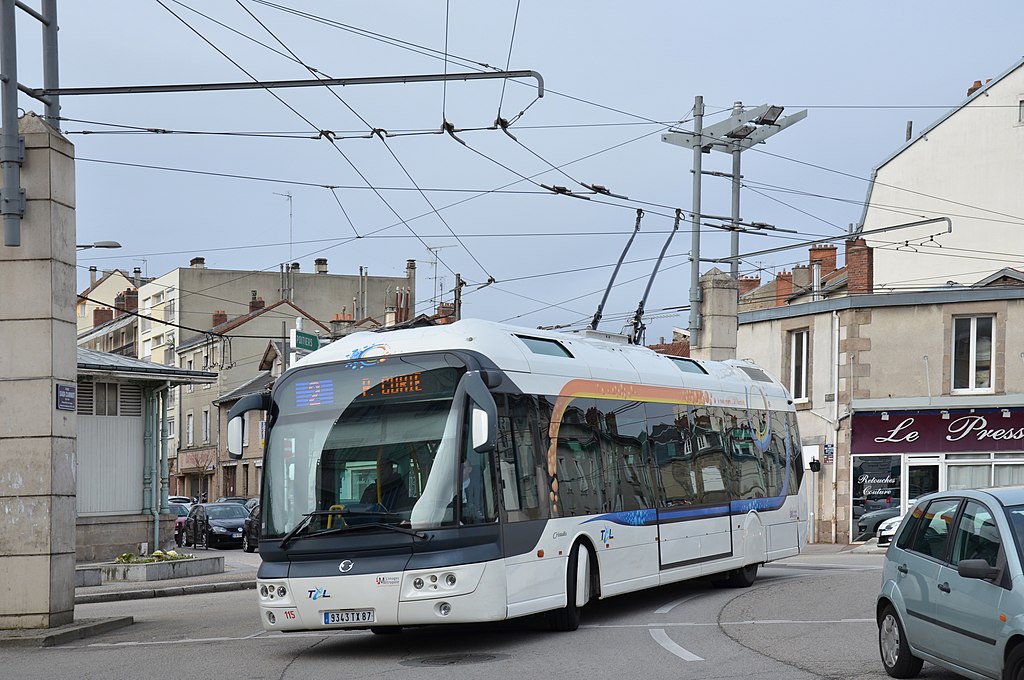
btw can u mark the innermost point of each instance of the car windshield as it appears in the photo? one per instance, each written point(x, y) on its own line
point(178, 509)
point(226, 511)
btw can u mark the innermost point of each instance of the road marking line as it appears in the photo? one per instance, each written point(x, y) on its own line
point(662, 638)
point(692, 624)
point(665, 609)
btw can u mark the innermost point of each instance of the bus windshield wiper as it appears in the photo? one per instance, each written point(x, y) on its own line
point(303, 523)
point(371, 525)
point(307, 518)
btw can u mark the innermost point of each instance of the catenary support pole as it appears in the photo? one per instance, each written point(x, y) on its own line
point(698, 126)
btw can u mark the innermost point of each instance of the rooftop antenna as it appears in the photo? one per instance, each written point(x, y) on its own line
point(636, 337)
point(600, 308)
point(288, 195)
point(437, 286)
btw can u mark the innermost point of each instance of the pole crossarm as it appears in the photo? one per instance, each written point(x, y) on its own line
point(830, 239)
point(278, 84)
point(718, 137)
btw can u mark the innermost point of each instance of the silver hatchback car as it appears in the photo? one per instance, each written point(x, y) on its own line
point(953, 586)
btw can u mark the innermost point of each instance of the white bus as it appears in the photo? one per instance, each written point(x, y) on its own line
point(479, 472)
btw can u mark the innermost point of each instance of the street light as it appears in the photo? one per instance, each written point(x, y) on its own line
point(740, 131)
point(97, 244)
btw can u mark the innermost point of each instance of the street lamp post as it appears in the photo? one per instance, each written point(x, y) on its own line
point(97, 244)
point(743, 129)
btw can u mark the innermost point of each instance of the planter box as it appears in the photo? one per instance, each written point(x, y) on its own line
point(199, 565)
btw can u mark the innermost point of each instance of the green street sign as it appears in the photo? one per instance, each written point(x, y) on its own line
point(306, 342)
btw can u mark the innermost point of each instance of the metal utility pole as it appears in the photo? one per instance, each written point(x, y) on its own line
point(288, 195)
point(459, 283)
point(739, 132)
point(698, 149)
point(12, 148)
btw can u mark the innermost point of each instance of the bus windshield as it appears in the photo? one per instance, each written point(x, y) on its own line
point(367, 442)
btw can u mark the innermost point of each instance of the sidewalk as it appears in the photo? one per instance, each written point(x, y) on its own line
point(234, 577)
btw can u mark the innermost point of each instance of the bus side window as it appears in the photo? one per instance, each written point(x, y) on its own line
point(522, 461)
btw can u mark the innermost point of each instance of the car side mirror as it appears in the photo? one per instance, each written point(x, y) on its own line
point(979, 569)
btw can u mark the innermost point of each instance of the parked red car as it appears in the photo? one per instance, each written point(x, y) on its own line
point(181, 512)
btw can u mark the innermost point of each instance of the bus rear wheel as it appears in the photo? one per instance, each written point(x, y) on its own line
point(568, 617)
point(738, 578)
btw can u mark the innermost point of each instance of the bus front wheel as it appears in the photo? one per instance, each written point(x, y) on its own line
point(568, 617)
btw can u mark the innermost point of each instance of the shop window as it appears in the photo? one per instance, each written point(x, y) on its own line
point(972, 353)
point(798, 341)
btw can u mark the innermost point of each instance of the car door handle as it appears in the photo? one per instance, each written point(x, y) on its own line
point(944, 587)
point(902, 569)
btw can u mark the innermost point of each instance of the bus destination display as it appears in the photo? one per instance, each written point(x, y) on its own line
point(311, 393)
point(393, 386)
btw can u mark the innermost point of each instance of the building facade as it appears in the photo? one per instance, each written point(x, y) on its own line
point(899, 394)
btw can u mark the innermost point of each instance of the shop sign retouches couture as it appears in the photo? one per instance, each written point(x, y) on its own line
point(932, 432)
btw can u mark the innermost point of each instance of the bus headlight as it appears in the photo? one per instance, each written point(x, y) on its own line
point(444, 609)
point(417, 583)
point(449, 580)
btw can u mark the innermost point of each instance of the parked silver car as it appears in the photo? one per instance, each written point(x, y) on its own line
point(953, 586)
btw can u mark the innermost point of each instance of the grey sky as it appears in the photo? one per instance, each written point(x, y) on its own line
point(613, 72)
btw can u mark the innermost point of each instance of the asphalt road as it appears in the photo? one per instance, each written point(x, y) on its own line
point(803, 618)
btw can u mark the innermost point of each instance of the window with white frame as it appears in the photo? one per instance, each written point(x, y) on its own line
point(188, 430)
point(190, 386)
point(972, 353)
point(206, 426)
point(798, 341)
point(170, 428)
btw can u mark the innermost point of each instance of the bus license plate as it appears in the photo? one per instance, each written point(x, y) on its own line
point(349, 616)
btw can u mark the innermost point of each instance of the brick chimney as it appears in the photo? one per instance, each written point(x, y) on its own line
point(101, 315)
point(256, 303)
point(783, 288)
point(749, 283)
point(131, 300)
point(977, 86)
point(825, 255)
point(219, 317)
point(860, 267)
point(320, 265)
point(197, 263)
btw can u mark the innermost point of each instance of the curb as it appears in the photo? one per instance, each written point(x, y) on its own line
point(48, 637)
point(168, 591)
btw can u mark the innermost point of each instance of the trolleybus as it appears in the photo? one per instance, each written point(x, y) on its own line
point(479, 472)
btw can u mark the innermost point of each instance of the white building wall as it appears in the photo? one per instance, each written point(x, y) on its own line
point(970, 168)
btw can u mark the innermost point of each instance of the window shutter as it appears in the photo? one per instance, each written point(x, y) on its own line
point(130, 400)
point(85, 399)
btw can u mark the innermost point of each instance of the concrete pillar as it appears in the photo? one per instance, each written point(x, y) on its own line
point(38, 373)
point(719, 306)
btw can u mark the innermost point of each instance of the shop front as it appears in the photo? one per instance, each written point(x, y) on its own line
point(898, 456)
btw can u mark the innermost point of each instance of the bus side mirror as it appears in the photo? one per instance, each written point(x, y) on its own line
point(236, 420)
point(815, 465)
point(483, 413)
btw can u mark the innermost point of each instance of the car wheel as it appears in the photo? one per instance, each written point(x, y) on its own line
point(893, 647)
point(246, 545)
point(1014, 667)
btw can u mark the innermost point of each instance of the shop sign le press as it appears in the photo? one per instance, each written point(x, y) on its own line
point(938, 432)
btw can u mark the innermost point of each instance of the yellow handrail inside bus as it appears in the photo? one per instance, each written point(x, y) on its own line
point(330, 518)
